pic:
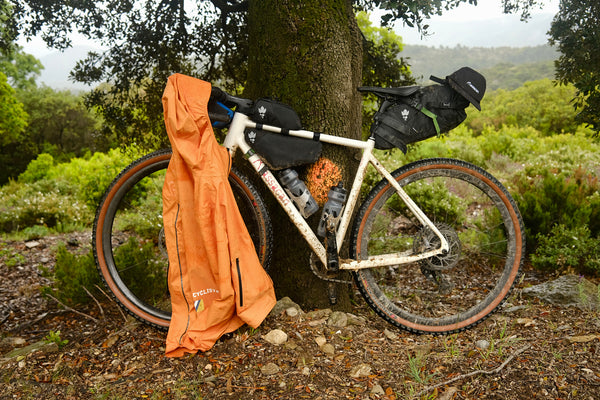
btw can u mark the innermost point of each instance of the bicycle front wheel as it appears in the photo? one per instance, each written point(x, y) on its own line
point(128, 237)
point(449, 292)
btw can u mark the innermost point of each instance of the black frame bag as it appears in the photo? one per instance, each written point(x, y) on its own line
point(278, 150)
point(272, 112)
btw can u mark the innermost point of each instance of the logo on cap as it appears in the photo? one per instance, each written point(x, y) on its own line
point(472, 86)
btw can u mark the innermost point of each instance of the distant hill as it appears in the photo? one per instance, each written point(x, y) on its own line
point(58, 65)
point(503, 67)
point(506, 67)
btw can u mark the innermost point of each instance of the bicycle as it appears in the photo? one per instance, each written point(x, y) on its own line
point(435, 247)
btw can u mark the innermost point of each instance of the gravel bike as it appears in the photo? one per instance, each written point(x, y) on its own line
point(435, 247)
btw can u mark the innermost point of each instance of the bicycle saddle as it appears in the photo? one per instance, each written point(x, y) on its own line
point(387, 92)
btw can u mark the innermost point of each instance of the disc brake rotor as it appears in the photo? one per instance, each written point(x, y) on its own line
point(427, 240)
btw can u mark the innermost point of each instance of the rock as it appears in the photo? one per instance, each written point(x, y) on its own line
point(283, 305)
point(356, 320)
point(276, 336)
point(360, 371)
point(390, 335)
point(338, 319)
point(482, 344)
point(320, 340)
point(318, 314)
point(568, 290)
point(292, 312)
point(32, 244)
point(328, 349)
point(377, 390)
point(269, 369)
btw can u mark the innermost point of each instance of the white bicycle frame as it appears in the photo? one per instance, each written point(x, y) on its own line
point(235, 140)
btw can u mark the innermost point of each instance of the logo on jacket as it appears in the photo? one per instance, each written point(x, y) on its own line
point(199, 305)
point(252, 136)
point(262, 111)
point(405, 114)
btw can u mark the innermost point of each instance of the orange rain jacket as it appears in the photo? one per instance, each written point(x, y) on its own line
point(216, 281)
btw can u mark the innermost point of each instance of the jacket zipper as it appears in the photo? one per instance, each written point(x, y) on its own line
point(181, 276)
point(237, 262)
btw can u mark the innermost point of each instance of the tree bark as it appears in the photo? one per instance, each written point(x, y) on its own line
point(307, 54)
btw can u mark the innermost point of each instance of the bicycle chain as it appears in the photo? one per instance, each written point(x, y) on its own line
point(322, 275)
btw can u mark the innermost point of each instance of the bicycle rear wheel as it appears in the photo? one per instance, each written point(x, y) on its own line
point(447, 293)
point(128, 237)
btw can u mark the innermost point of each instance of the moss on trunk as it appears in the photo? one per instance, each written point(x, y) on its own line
point(307, 54)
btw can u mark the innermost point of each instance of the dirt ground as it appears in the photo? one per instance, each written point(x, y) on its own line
point(527, 350)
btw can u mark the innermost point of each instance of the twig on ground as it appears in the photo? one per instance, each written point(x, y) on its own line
point(96, 301)
point(38, 319)
point(111, 299)
point(72, 309)
point(470, 374)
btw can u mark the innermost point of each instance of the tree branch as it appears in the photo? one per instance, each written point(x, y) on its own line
point(470, 374)
point(72, 309)
point(226, 6)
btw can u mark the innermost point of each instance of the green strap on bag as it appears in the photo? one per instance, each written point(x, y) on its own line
point(433, 117)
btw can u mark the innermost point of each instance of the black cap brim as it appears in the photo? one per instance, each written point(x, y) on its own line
point(463, 93)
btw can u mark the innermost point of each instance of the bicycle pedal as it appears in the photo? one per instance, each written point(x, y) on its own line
point(332, 293)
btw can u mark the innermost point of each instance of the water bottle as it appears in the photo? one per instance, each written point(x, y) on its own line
point(298, 192)
point(333, 208)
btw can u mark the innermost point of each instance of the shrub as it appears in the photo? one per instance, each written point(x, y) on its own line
point(568, 248)
point(63, 196)
point(147, 274)
point(37, 169)
point(72, 274)
point(537, 104)
point(40, 204)
point(546, 198)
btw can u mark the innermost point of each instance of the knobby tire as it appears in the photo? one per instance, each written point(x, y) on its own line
point(447, 293)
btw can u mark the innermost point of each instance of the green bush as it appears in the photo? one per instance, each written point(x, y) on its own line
point(567, 249)
point(93, 175)
point(73, 273)
point(63, 196)
point(540, 104)
point(41, 204)
point(147, 274)
point(547, 198)
point(37, 169)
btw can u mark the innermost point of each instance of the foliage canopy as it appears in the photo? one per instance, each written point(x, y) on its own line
point(148, 40)
point(575, 31)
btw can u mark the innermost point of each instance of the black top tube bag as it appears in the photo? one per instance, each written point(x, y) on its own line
point(430, 111)
point(280, 151)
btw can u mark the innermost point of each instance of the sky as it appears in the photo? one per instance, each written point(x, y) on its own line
point(484, 25)
point(469, 25)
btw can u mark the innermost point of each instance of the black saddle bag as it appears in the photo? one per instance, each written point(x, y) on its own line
point(431, 111)
point(280, 151)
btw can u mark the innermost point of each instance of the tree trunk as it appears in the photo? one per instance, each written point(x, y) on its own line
point(307, 54)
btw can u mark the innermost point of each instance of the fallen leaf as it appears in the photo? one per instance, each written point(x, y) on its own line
point(582, 339)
